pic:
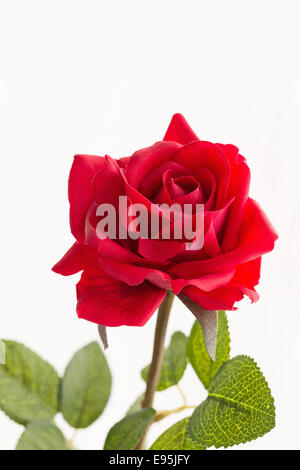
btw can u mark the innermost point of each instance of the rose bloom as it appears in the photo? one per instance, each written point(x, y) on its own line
point(124, 281)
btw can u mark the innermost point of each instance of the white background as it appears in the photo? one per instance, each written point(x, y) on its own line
point(105, 77)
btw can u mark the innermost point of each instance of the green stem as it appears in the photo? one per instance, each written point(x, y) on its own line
point(157, 355)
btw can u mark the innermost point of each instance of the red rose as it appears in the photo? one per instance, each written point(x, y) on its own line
point(124, 280)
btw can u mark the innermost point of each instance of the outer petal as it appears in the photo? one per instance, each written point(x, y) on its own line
point(206, 283)
point(77, 258)
point(247, 274)
point(242, 283)
point(239, 189)
point(108, 183)
point(219, 299)
point(108, 302)
point(256, 237)
point(122, 162)
point(134, 275)
point(83, 170)
point(179, 131)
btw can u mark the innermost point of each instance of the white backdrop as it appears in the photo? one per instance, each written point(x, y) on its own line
point(105, 77)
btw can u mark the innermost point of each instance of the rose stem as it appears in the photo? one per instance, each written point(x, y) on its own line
point(157, 355)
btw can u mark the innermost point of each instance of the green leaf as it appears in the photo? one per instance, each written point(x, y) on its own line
point(29, 385)
point(203, 365)
point(174, 438)
point(239, 407)
point(42, 436)
point(126, 434)
point(2, 352)
point(136, 405)
point(86, 386)
point(174, 362)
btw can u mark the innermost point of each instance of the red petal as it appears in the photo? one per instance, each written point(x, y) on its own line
point(211, 242)
point(111, 249)
point(108, 183)
point(160, 250)
point(239, 189)
point(134, 275)
point(83, 170)
point(77, 258)
point(108, 302)
point(201, 154)
point(152, 182)
point(256, 237)
point(247, 274)
point(144, 161)
point(219, 299)
point(122, 162)
point(179, 131)
point(209, 282)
